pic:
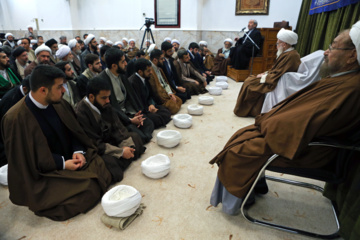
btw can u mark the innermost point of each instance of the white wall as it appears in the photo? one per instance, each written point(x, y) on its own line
point(207, 15)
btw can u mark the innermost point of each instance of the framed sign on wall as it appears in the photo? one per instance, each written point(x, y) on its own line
point(167, 13)
point(252, 7)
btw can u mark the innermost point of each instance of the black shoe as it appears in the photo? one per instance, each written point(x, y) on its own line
point(250, 201)
point(261, 186)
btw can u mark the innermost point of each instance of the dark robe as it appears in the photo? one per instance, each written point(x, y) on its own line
point(106, 129)
point(220, 64)
point(240, 54)
point(144, 131)
point(130, 68)
point(173, 79)
point(77, 63)
point(327, 108)
point(252, 93)
point(145, 95)
point(161, 97)
point(33, 178)
point(10, 99)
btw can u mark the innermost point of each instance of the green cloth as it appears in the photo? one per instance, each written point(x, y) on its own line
point(6, 85)
point(122, 222)
point(347, 198)
point(317, 31)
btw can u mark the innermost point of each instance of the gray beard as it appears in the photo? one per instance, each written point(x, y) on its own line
point(324, 70)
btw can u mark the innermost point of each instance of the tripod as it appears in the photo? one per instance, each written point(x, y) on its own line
point(147, 33)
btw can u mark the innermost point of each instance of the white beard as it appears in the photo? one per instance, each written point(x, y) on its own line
point(279, 52)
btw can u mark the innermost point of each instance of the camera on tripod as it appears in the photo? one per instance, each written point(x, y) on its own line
point(149, 22)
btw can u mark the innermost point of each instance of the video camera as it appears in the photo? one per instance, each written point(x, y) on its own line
point(149, 22)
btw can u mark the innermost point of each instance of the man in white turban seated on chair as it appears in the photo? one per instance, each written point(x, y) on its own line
point(327, 108)
point(252, 93)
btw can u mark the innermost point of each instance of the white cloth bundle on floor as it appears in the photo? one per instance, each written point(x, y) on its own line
point(168, 138)
point(215, 90)
point(182, 120)
point(221, 79)
point(223, 85)
point(195, 109)
point(4, 175)
point(156, 166)
point(292, 82)
point(206, 100)
point(121, 201)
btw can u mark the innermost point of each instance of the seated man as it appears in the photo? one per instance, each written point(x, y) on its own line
point(170, 73)
point(124, 100)
point(8, 79)
point(90, 47)
point(222, 59)
point(93, 64)
point(76, 52)
point(43, 54)
point(115, 144)
point(323, 109)
point(163, 93)
point(206, 54)
point(252, 94)
point(10, 40)
point(53, 45)
point(176, 46)
point(64, 54)
point(71, 94)
point(57, 173)
point(25, 43)
point(158, 114)
point(192, 79)
point(240, 54)
point(130, 69)
point(132, 50)
point(197, 62)
point(10, 99)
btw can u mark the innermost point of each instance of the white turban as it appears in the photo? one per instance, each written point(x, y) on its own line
point(229, 40)
point(89, 38)
point(8, 34)
point(62, 52)
point(127, 40)
point(167, 39)
point(109, 42)
point(175, 41)
point(148, 40)
point(41, 48)
point(132, 40)
point(102, 38)
point(355, 38)
point(72, 43)
point(119, 42)
point(287, 36)
point(151, 47)
point(33, 41)
point(19, 42)
point(203, 43)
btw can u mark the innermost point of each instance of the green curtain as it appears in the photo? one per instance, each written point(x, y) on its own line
point(318, 30)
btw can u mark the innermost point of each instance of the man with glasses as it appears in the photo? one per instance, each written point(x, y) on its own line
point(327, 108)
point(252, 93)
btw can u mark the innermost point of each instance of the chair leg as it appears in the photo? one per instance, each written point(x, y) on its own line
point(280, 227)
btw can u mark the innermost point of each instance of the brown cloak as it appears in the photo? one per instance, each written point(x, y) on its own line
point(32, 175)
point(160, 94)
point(252, 94)
point(220, 64)
point(328, 108)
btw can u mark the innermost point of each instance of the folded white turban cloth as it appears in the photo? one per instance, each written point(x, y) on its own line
point(203, 43)
point(287, 36)
point(127, 40)
point(102, 38)
point(8, 34)
point(215, 90)
point(109, 42)
point(167, 39)
point(62, 52)
point(182, 120)
point(119, 42)
point(168, 138)
point(355, 38)
point(72, 43)
point(41, 48)
point(89, 38)
point(229, 40)
point(156, 166)
point(206, 100)
point(195, 109)
point(4, 175)
point(175, 41)
point(132, 40)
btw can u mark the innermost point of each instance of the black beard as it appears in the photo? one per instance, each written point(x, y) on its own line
point(101, 108)
point(119, 70)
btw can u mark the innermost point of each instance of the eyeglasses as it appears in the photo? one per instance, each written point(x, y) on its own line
point(332, 48)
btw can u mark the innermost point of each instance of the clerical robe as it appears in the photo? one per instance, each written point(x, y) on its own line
point(110, 136)
point(5, 84)
point(220, 63)
point(33, 178)
point(327, 108)
point(161, 96)
point(252, 94)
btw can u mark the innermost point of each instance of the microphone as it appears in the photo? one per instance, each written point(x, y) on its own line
point(243, 29)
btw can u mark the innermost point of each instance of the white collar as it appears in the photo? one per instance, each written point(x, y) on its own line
point(21, 90)
point(142, 79)
point(92, 105)
point(343, 73)
point(191, 53)
point(37, 104)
